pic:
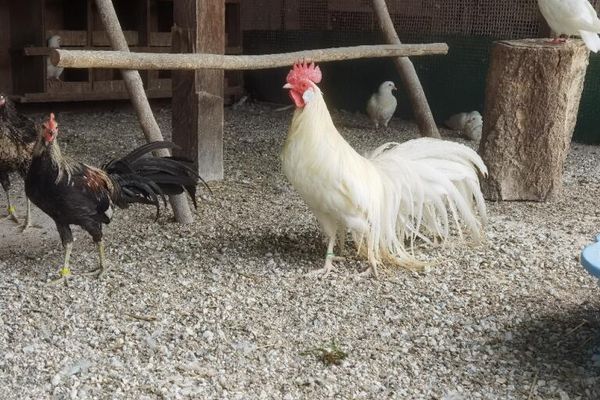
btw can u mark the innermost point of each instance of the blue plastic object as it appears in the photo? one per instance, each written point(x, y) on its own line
point(590, 258)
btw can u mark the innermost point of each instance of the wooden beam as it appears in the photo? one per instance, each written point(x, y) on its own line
point(408, 74)
point(116, 59)
point(135, 87)
point(197, 102)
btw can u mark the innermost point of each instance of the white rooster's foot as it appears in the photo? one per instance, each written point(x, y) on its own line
point(326, 270)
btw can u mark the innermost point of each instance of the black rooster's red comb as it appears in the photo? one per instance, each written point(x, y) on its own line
point(302, 70)
point(51, 122)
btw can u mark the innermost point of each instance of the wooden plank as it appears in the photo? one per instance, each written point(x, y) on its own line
point(5, 70)
point(161, 39)
point(68, 37)
point(87, 96)
point(198, 95)
point(100, 38)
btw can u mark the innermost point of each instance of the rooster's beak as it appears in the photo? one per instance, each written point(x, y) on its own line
point(287, 86)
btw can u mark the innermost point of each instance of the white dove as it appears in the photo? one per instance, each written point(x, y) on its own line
point(52, 71)
point(382, 104)
point(572, 18)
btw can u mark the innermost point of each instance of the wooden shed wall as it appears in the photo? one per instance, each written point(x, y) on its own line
point(5, 76)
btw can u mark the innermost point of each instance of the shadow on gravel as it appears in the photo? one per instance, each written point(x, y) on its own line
point(563, 346)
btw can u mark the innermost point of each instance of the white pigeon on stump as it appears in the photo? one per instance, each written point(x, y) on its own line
point(52, 71)
point(572, 18)
point(382, 104)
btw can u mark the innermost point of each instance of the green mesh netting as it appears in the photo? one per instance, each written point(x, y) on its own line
point(453, 83)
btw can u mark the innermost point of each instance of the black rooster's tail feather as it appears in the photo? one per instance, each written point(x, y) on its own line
point(148, 179)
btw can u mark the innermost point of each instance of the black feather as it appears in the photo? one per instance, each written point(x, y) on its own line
point(145, 179)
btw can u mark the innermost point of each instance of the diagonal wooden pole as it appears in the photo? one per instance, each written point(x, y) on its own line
point(135, 88)
point(408, 74)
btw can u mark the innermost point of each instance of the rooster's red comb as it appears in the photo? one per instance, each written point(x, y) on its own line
point(51, 123)
point(303, 70)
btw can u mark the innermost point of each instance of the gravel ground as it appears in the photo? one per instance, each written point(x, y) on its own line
point(221, 309)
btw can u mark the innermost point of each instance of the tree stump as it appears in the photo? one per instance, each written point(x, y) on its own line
point(531, 103)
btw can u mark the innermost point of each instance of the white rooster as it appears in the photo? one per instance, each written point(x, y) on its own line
point(399, 193)
point(572, 18)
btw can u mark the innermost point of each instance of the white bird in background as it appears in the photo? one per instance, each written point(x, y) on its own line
point(468, 124)
point(382, 104)
point(572, 18)
point(52, 71)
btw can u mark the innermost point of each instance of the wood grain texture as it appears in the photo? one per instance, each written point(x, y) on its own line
point(531, 103)
point(151, 61)
point(198, 95)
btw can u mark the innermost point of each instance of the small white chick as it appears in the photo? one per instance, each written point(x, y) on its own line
point(52, 71)
point(469, 124)
point(382, 104)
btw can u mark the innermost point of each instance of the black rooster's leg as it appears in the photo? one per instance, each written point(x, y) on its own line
point(103, 267)
point(66, 236)
point(12, 213)
point(95, 229)
point(27, 223)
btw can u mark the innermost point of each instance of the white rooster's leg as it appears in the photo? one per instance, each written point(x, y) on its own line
point(372, 268)
point(341, 242)
point(329, 258)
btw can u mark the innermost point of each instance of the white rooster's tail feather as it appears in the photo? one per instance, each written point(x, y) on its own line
point(427, 183)
point(591, 39)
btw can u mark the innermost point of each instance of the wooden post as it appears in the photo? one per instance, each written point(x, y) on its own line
point(135, 88)
point(407, 72)
point(531, 103)
point(198, 95)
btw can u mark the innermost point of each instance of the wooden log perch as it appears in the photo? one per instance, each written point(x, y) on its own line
point(135, 88)
point(408, 74)
point(151, 61)
point(531, 103)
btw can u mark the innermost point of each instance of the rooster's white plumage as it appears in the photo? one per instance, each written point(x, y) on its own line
point(573, 18)
point(396, 194)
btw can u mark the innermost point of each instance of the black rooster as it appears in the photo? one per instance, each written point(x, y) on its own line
point(18, 135)
point(73, 193)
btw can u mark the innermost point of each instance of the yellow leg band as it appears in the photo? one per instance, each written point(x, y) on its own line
point(11, 209)
point(64, 271)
